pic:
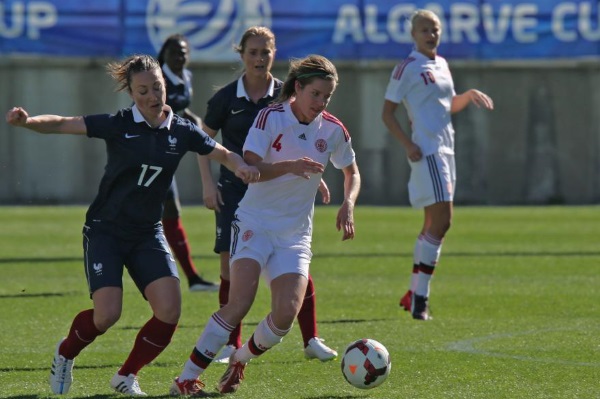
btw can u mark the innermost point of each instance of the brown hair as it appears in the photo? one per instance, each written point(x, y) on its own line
point(252, 32)
point(305, 70)
point(122, 71)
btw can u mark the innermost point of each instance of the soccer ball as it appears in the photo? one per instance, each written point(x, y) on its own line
point(366, 363)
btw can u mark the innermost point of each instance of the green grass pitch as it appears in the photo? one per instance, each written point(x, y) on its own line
point(515, 300)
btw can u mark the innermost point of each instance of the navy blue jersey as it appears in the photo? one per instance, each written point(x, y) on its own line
point(179, 91)
point(234, 116)
point(140, 166)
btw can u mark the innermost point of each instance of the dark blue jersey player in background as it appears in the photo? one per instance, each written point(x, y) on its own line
point(173, 58)
point(123, 227)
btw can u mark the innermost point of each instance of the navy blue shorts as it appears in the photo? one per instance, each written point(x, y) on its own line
point(231, 194)
point(146, 256)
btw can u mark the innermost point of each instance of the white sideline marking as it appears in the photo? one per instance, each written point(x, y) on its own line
point(468, 346)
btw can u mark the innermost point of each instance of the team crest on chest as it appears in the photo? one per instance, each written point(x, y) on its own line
point(172, 142)
point(172, 145)
point(247, 235)
point(321, 145)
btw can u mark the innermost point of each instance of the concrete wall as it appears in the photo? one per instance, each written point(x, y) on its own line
point(540, 145)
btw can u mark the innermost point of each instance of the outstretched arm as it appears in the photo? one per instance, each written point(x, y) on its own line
point(235, 163)
point(19, 117)
point(480, 99)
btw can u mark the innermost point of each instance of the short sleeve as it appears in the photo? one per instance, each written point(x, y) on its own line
point(343, 155)
point(216, 111)
point(398, 84)
point(258, 141)
point(201, 142)
point(101, 126)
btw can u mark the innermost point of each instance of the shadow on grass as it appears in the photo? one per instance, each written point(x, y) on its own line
point(23, 294)
point(111, 396)
point(337, 396)
point(350, 255)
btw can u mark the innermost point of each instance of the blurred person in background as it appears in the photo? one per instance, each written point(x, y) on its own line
point(173, 58)
point(423, 83)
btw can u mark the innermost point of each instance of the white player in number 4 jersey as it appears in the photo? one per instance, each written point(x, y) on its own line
point(290, 143)
point(423, 83)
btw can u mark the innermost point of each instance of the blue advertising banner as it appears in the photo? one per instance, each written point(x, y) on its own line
point(339, 29)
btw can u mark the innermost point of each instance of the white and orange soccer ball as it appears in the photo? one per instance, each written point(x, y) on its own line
point(366, 363)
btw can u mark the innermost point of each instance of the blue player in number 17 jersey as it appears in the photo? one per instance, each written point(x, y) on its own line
point(140, 167)
point(144, 145)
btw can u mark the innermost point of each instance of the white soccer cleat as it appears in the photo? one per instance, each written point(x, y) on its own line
point(316, 349)
point(224, 355)
point(127, 385)
point(61, 373)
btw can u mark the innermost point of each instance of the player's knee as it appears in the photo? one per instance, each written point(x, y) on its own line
point(168, 314)
point(284, 315)
point(106, 319)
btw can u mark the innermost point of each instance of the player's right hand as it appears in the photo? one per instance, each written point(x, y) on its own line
point(304, 167)
point(414, 153)
point(17, 116)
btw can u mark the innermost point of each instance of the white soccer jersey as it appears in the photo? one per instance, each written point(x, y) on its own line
point(284, 205)
point(425, 87)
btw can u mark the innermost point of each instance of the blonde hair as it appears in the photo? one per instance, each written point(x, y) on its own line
point(423, 14)
point(254, 31)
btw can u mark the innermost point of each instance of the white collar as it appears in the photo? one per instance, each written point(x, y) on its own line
point(241, 90)
point(172, 76)
point(139, 118)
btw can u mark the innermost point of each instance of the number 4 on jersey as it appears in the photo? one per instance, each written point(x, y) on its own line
point(277, 143)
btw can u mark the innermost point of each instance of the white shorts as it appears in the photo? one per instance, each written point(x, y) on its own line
point(432, 180)
point(276, 254)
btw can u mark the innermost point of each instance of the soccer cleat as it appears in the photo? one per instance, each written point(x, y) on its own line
point(420, 307)
point(316, 349)
point(406, 300)
point(127, 385)
point(61, 375)
point(224, 355)
point(232, 378)
point(191, 388)
point(198, 284)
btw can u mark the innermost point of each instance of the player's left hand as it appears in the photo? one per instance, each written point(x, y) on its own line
point(480, 99)
point(345, 221)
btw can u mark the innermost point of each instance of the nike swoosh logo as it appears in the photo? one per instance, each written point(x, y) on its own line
point(130, 136)
point(235, 112)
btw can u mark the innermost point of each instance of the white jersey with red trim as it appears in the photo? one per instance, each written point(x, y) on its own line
point(425, 87)
point(284, 205)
